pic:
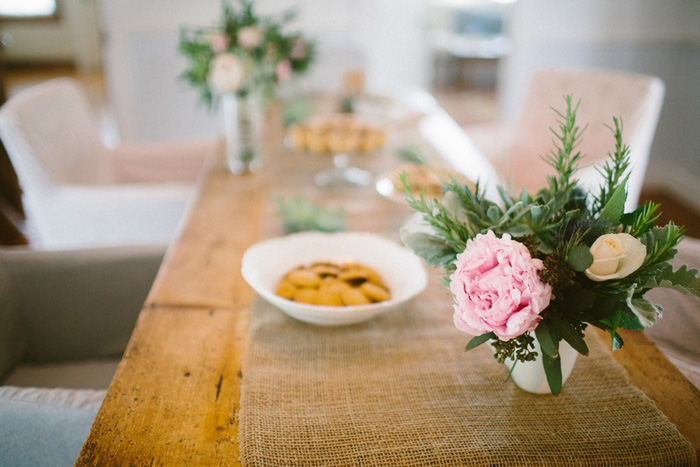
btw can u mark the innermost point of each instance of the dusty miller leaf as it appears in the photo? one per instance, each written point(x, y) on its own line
point(434, 250)
point(648, 313)
point(683, 280)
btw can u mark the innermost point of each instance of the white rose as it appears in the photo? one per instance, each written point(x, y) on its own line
point(225, 74)
point(615, 256)
point(249, 37)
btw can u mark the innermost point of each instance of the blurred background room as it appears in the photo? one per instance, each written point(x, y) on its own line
point(104, 144)
point(475, 56)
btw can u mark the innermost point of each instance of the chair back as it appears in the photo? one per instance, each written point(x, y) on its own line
point(635, 98)
point(52, 137)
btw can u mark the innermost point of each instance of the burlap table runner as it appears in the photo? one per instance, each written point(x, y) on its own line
point(400, 390)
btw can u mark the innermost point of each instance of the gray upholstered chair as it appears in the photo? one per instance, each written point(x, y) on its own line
point(65, 319)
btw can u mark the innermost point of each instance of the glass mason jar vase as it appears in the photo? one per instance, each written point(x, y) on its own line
point(242, 118)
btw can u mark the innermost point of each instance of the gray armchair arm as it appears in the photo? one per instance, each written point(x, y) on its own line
point(79, 304)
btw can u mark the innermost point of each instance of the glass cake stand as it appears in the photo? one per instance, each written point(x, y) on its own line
point(342, 174)
point(339, 138)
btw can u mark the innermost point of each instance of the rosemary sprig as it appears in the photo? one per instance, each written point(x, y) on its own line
point(562, 157)
point(615, 169)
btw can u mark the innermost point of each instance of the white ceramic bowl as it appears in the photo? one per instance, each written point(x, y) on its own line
point(265, 263)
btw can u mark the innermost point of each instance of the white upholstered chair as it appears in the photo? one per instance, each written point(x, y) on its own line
point(65, 319)
point(79, 193)
point(515, 148)
point(676, 333)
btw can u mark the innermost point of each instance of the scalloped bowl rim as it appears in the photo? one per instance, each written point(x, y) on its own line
point(266, 262)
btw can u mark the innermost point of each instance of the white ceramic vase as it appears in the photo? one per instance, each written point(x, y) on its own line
point(530, 376)
point(242, 119)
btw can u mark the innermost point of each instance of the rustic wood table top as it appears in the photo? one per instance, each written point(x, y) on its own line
point(175, 397)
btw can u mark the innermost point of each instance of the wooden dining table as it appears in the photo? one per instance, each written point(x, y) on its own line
point(176, 394)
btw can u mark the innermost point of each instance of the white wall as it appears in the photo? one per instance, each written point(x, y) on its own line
point(655, 37)
point(142, 64)
point(73, 37)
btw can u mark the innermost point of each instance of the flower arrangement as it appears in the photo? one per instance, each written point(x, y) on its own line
point(547, 265)
point(245, 53)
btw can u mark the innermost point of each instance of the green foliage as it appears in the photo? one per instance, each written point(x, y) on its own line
point(582, 230)
point(520, 349)
point(647, 313)
point(617, 342)
point(478, 340)
point(642, 219)
point(660, 243)
point(552, 369)
point(614, 170)
point(562, 157)
point(346, 104)
point(614, 207)
point(300, 215)
point(683, 280)
point(568, 331)
point(296, 111)
point(631, 322)
point(411, 154)
point(434, 250)
point(580, 258)
point(453, 231)
point(548, 339)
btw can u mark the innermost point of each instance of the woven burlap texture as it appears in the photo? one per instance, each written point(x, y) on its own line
point(400, 390)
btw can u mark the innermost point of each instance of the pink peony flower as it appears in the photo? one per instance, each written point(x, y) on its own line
point(219, 42)
point(249, 37)
point(497, 289)
point(283, 70)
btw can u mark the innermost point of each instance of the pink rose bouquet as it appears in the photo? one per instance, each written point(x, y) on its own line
point(542, 267)
point(245, 53)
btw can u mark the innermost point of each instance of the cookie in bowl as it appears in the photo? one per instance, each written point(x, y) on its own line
point(331, 284)
point(333, 279)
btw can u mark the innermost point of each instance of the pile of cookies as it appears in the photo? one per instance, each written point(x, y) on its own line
point(336, 134)
point(330, 284)
point(421, 178)
point(426, 179)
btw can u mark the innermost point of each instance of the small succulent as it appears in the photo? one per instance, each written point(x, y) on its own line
point(299, 215)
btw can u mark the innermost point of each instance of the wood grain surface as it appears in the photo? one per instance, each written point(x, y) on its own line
point(175, 396)
point(203, 268)
point(653, 373)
